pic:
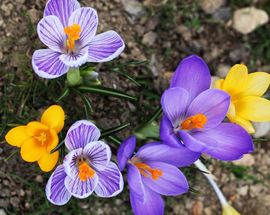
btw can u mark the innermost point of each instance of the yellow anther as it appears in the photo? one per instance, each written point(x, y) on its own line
point(85, 171)
point(73, 33)
point(147, 171)
point(42, 137)
point(196, 121)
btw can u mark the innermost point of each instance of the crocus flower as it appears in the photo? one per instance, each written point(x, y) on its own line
point(193, 115)
point(152, 172)
point(37, 139)
point(69, 32)
point(246, 91)
point(86, 168)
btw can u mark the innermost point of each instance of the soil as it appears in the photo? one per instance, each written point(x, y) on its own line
point(157, 36)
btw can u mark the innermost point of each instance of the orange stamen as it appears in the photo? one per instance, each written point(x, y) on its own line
point(147, 171)
point(42, 137)
point(73, 33)
point(196, 121)
point(85, 171)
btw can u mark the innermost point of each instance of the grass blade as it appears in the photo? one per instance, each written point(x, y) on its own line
point(107, 92)
point(114, 130)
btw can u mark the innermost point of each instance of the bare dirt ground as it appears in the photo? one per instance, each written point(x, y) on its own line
point(162, 36)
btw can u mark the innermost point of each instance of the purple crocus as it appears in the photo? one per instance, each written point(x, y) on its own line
point(69, 32)
point(193, 115)
point(86, 168)
point(153, 172)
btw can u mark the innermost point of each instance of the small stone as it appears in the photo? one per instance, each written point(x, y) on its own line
point(197, 208)
point(246, 160)
point(242, 190)
point(155, 3)
point(34, 15)
point(222, 14)
point(184, 32)
point(210, 7)
point(39, 179)
point(133, 7)
point(261, 129)
point(1, 150)
point(247, 19)
point(2, 211)
point(149, 38)
point(207, 211)
point(223, 70)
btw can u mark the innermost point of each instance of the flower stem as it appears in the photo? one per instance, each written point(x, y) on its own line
point(73, 77)
point(209, 177)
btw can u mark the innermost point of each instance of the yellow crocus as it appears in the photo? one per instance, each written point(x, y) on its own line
point(229, 210)
point(37, 139)
point(246, 91)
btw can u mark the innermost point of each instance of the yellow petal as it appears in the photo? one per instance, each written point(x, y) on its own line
point(247, 125)
point(257, 84)
point(253, 108)
point(229, 210)
point(219, 84)
point(54, 117)
point(34, 127)
point(16, 136)
point(53, 140)
point(236, 79)
point(31, 150)
point(48, 161)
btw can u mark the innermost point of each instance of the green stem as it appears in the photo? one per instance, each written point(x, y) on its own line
point(74, 77)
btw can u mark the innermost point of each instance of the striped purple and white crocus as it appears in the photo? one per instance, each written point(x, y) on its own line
point(69, 32)
point(86, 168)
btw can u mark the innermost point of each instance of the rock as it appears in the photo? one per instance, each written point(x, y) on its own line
point(2, 211)
point(246, 160)
point(133, 7)
point(149, 38)
point(155, 3)
point(34, 15)
point(197, 208)
point(39, 179)
point(261, 129)
point(239, 54)
point(184, 32)
point(210, 7)
point(222, 14)
point(242, 191)
point(247, 19)
point(223, 70)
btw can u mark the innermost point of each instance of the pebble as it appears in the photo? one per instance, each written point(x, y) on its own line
point(261, 129)
point(222, 14)
point(246, 20)
point(149, 38)
point(210, 7)
point(155, 3)
point(34, 15)
point(133, 7)
point(2, 211)
point(39, 179)
point(222, 70)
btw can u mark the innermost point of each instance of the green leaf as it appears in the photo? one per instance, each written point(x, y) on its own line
point(87, 102)
point(64, 94)
point(116, 70)
point(74, 77)
point(107, 92)
point(114, 130)
point(150, 130)
point(58, 146)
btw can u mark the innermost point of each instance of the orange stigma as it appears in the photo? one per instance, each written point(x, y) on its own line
point(85, 171)
point(73, 33)
point(147, 171)
point(42, 137)
point(196, 121)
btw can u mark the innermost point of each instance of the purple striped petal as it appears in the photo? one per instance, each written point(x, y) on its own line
point(81, 133)
point(167, 134)
point(105, 47)
point(226, 142)
point(75, 59)
point(46, 64)
point(81, 189)
point(135, 184)
point(214, 104)
point(70, 162)
point(174, 102)
point(98, 153)
point(56, 191)
point(110, 182)
point(193, 75)
point(87, 18)
point(125, 151)
point(171, 183)
point(51, 33)
point(62, 9)
point(153, 204)
point(177, 156)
